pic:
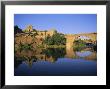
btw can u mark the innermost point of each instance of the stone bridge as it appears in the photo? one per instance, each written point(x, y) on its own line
point(70, 38)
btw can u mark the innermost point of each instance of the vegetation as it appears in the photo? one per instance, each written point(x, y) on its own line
point(25, 46)
point(79, 45)
point(40, 46)
point(55, 53)
point(55, 46)
point(56, 39)
point(17, 29)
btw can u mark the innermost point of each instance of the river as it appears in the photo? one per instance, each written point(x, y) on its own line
point(55, 62)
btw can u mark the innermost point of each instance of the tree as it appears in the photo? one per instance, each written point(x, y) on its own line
point(17, 29)
point(56, 39)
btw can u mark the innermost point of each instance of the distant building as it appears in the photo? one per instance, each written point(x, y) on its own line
point(40, 33)
point(29, 28)
point(83, 38)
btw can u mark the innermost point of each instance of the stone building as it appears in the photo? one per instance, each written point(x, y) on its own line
point(29, 28)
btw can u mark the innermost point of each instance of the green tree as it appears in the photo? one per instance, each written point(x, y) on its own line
point(56, 39)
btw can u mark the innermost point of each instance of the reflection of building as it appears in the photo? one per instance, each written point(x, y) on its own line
point(70, 53)
point(87, 55)
point(30, 55)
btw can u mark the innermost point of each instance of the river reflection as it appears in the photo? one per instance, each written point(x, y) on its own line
point(55, 62)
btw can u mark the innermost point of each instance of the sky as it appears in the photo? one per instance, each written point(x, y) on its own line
point(63, 23)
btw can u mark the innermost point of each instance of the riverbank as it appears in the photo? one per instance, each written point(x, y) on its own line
point(55, 46)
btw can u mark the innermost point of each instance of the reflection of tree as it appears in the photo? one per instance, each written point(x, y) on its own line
point(55, 53)
point(29, 56)
point(50, 54)
point(18, 61)
point(28, 60)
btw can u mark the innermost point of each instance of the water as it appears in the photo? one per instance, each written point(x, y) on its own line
point(55, 62)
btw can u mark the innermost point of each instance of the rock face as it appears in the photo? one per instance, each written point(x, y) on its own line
point(33, 37)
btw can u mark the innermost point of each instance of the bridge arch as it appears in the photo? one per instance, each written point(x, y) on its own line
point(70, 38)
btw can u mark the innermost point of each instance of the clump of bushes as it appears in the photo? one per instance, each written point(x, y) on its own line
point(56, 39)
point(40, 46)
point(79, 45)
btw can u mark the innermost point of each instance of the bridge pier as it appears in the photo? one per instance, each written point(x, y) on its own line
point(69, 41)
